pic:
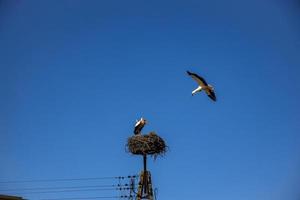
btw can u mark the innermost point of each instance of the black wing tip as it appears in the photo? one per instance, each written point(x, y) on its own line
point(188, 72)
point(213, 97)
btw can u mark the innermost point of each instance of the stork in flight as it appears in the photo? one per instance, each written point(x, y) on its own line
point(139, 126)
point(202, 86)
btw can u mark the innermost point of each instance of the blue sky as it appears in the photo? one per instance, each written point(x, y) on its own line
point(75, 75)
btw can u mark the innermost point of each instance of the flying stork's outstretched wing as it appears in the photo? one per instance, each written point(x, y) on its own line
point(211, 94)
point(201, 81)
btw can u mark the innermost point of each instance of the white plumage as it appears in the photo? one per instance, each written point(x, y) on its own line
point(139, 126)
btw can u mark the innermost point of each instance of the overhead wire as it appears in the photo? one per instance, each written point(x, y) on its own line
point(98, 197)
point(78, 198)
point(66, 179)
point(66, 187)
point(78, 190)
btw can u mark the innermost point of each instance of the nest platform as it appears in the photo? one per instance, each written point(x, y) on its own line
point(150, 144)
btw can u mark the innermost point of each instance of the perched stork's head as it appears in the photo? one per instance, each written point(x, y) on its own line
point(144, 121)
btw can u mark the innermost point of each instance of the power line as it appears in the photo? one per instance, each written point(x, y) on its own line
point(55, 180)
point(67, 179)
point(70, 187)
point(77, 198)
point(79, 190)
point(50, 186)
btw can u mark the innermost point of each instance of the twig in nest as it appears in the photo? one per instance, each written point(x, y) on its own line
point(150, 144)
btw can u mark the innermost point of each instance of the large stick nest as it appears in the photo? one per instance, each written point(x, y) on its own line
point(150, 144)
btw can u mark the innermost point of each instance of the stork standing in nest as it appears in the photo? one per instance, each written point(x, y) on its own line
point(202, 86)
point(139, 126)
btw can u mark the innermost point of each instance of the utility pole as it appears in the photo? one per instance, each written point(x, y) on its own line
point(145, 190)
point(149, 144)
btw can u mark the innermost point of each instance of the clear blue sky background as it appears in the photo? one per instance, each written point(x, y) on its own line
point(75, 75)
